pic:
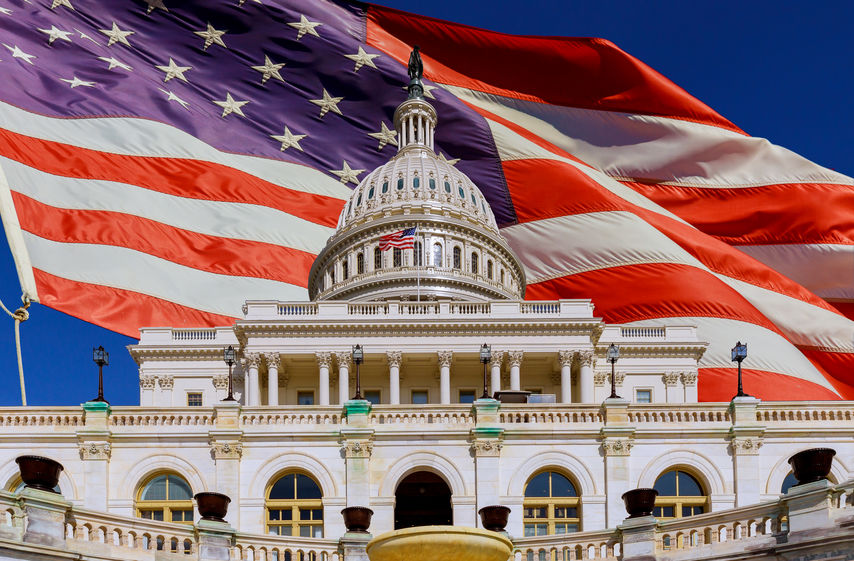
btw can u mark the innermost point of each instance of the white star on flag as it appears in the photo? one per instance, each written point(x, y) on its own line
point(241, 2)
point(347, 174)
point(66, 3)
point(211, 36)
point(230, 105)
point(55, 33)
point(269, 70)
point(18, 53)
point(385, 136)
point(174, 71)
point(6, 11)
point(362, 58)
point(289, 139)
point(84, 36)
point(116, 35)
point(155, 4)
point(305, 26)
point(75, 81)
point(113, 62)
point(446, 160)
point(327, 103)
point(173, 97)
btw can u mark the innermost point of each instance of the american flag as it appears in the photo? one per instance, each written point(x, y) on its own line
point(162, 160)
point(405, 239)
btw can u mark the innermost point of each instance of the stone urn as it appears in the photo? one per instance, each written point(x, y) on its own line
point(39, 472)
point(812, 465)
point(494, 517)
point(212, 506)
point(357, 518)
point(640, 502)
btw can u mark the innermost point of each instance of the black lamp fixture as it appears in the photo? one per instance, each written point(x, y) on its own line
point(613, 355)
point(102, 359)
point(485, 357)
point(739, 353)
point(229, 358)
point(358, 357)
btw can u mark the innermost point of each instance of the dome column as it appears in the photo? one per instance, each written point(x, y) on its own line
point(323, 361)
point(445, 376)
point(515, 365)
point(394, 359)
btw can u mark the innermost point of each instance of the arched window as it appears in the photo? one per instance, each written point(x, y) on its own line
point(360, 263)
point(489, 269)
point(294, 507)
point(378, 258)
point(332, 275)
point(345, 270)
point(397, 256)
point(385, 186)
point(371, 192)
point(447, 186)
point(788, 483)
point(17, 484)
point(416, 182)
point(679, 495)
point(165, 497)
point(551, 505)
point(502, 276)
point(475, 266)
point(418, 254)
point(437, 255)
point(458, 255)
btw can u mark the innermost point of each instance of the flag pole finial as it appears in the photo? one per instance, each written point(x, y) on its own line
point(416, 71)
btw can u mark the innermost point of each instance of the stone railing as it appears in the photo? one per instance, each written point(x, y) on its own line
point(54, 418)
point(253, 547)
point(291, 415)
point(769, 413)
point(131, 416)
point(545, 413)
point(453, 415)
point(694, 413)
point(215, 337)
point(602, 544)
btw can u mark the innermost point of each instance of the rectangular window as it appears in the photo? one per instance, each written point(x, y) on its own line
point(643, 396)
point(466, 396)
point(194, 399)
point(305, 398)
point(419, 397)
point(373, 396)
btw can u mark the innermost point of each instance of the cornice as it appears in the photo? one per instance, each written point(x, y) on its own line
point(172, 353)
point(658, 350)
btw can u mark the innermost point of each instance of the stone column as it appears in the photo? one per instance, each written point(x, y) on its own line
point(745, 440)
point(227, 449)
point(324, 361)
point(253, 391)
point(673, 393)
point(445, 376)
point(565, 358)
point(147, 383)
point(586, 361)
point(394, 359)
point(343, 358)
point(495, 374)
point(273, 361)
point(94, 446)
point(689, 380)
point(515, 358)
point(617, 445)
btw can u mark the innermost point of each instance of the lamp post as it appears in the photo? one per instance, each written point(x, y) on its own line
point(485, 357)
point(739, 353)
point(101, 358)
point(358, 357)
point(613, 355)
point(228, 357)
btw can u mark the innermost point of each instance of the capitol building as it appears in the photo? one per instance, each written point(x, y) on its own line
point(420, 384)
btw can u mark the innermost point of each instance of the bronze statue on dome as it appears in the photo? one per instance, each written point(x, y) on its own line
point(416, 71)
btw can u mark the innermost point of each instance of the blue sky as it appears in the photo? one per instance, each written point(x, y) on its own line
point(777, 70)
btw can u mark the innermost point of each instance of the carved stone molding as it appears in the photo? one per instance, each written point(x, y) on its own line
point(599, 378)
point(95, 450)
point(617, 447)
point(671, 379)
point(357, 448)
point(166, 382)
point(252, 360)
point(689, 378)
point(147, 381)
point(565, 358)
point(445, 358)
point(227, 450)
point(220, 381)
point(586, 358)
point(487, 447)
point(746, 445)
point(515, 357)
point(273, 360)
point(394, 358)
point(324, 359)
point(497, 358)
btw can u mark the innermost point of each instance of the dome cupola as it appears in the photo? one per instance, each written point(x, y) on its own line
point(455, 250)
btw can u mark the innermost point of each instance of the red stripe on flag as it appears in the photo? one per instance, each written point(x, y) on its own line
point(844, 307)
point(193, 179)
point(721, 384)
point(225, 256)
point(836, 365)
point(575, 72)
point(122, 311)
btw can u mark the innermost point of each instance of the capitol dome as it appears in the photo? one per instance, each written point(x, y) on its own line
point(457, 251)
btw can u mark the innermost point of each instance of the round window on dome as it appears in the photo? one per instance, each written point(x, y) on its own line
point(461, 192)
point(432, 183)
point(447, 186)
point(371, 192)
point(416, 182)
point(385, 186)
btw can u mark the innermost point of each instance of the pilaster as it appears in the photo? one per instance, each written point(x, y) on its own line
point(689, 382)
point(745, 441)
point(147, 384)
point(617, 441)
point(357, 445)
point(673, 392)
point(227, 449)
point(94, 446)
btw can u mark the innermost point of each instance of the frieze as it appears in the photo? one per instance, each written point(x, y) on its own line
point(227, 450)
point(617, 447)
point(487, 447)
point(357, 448)
point(95, 450)
point(746, 445)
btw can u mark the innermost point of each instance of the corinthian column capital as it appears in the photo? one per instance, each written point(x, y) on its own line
point(445, 358)
point(394, 358)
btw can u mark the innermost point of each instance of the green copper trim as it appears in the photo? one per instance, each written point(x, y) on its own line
point(487, 432)
point(357, 407)
point(96, 406)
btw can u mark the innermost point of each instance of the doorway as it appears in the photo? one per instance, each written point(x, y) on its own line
point(422, 499)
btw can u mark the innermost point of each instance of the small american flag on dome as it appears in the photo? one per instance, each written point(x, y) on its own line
point(404, 239)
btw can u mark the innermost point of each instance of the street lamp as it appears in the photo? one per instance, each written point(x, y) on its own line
point(101, 358)
point(739, 353)
point(613, 355)
point(485, 357)
point(228, 357)
point(358, 357)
